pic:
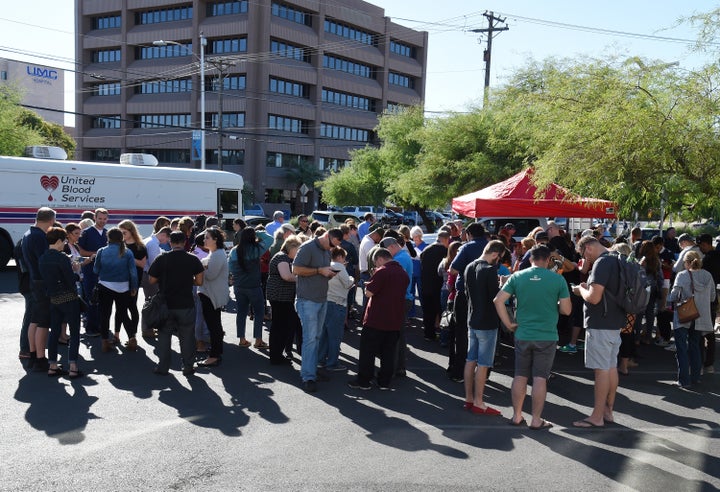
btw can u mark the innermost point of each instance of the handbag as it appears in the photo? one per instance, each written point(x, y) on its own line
point(687, 311)
point(155, 311)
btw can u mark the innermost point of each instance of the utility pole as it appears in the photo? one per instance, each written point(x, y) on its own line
point(492, 28)
point(221, 65)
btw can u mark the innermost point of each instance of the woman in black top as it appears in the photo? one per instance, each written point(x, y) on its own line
point(134, 243)
point(281, 294)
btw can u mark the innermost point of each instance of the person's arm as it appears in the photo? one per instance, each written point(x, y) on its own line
point(303, 271)
point(592, 294)
point(214, 266)
point(266, 241)
point(199, 278)
point(285, 271)
point(142, 261)
point(132, 270)
point(565, 306)
point(500, 299)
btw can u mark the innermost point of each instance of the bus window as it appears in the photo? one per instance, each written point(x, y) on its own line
point(228, 202)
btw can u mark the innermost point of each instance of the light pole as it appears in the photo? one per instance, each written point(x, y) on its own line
point(221, 65)
point(203, 43)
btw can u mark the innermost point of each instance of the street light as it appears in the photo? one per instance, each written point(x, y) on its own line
point(203, 43)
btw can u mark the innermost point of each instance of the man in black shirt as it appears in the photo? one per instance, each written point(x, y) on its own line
point(431, 282)
point(177, 271)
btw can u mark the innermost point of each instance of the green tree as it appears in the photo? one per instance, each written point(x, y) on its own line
point(14, 136)
point(52, 133)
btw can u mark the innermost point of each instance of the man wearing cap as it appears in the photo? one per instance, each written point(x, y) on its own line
point(312, 268)
point(402, 256)
point(382, 321)
point(364, 228)
point(507, 232)
point(711, 263)
point(431, 282)
point(374, 235)
point(278, 219)
point(687, 243)
point(458, 341)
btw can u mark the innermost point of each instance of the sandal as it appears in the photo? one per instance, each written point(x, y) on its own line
point(75, 374)
point(57, 372)
point(261, 345)
point(244, 343)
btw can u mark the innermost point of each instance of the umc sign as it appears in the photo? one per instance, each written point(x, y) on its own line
point(42, 73)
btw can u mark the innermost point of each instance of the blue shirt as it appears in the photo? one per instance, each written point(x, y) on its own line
point(468, 252)
point(363, 229)
point(34, 245)
point(403, 257)
point(92, 240)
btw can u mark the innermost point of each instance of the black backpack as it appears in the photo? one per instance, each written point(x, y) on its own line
point(634, 286)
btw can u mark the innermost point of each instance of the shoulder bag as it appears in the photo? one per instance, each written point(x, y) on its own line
point(155, 312)
point(687, 311)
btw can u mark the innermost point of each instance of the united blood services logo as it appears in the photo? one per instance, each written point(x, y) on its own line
point(49, 184)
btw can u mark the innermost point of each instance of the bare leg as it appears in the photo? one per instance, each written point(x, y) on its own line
point(574, 335)
point(41, 338)
point(612, 392)
point(602, 394)
point(32, 328)
point(480, 379)
point(539, 392)
point(518, 390)
point(469, 377)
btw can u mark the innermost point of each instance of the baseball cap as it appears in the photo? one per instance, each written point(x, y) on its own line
point(287, 227)
point(509, 225)
point(375, 228)
point(389, 241)
point(686, 237)
point(541, 236)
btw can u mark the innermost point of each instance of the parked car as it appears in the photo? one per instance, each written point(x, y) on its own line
point(378, 212)
point(647, 233)
point(329, 218)
point(254, 209)
point(391, 218)
point(256, 220)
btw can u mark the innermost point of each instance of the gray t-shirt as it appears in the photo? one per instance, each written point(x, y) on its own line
point(312, 255)
point(606, 314)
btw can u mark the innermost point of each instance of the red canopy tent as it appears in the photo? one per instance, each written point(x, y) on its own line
point(515, 197)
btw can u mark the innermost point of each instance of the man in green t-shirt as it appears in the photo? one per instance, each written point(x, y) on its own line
point(540, 294)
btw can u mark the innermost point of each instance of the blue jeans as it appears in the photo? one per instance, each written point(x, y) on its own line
point(688, 356)
point(246, 298)
point(332, 335)
point(312, 317)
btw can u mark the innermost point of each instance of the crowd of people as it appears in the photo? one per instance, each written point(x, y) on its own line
point(544, 293)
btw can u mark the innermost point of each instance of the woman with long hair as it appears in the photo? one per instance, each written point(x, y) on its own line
point(131, 317)
point(117, 283)
point(692, 282)
point(244, 265)
point(649, 259)
point(213, 292)
point(73, 231)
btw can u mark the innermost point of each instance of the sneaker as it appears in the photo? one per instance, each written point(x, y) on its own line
point(709, 369)
point(568, 349)
point(671, 348)
point(356, 384)
point(337, 368)
point(661, 343)
point(457, 379)
point(309, 386)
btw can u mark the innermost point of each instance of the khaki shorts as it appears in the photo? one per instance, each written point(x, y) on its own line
point(601, 348)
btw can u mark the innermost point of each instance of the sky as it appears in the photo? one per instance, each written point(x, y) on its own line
point(41, 31)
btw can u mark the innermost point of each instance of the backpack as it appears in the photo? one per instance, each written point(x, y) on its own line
point(634, 286)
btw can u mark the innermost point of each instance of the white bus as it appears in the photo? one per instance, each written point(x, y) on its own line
point(138, 193)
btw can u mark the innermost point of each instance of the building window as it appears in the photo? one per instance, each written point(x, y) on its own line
point(338, 132)
point(106, 22)
point(169, 51)
point(165, 86)
point(163, 15)
point(285, 124)
point(289, 51)
point(106, 56)
point(176, 156)
point(277, 159)
point(342, 65)
point(331, 164)
point(395, 107)
point(230, 83)
point(3, 75)
point(111, 122)
point(230, 156)
point(230, 120)
point(232, 45)
point(347, 100)
point(111, 89)
point(402, 49)
point(289, 88)
point(349, 32)
point(227, 8)
point(105, 155)
point(401, 80)
point(291, 13)
point(161, 120)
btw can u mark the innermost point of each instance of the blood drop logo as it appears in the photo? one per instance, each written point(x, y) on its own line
point(49, 184)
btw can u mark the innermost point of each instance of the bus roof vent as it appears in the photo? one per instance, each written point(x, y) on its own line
point(138, 160)
point(46, 152)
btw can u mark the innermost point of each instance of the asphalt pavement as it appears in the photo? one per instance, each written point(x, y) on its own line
point(247, 425)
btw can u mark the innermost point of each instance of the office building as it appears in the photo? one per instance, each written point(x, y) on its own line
point(42, 88)
point(302, 82)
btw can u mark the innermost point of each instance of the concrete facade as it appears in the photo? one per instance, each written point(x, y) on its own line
point(41, 86)
point(304, 82)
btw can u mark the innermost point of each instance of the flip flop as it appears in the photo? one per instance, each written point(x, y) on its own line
point(544, 425)
point(586, 424)
point(522, 423)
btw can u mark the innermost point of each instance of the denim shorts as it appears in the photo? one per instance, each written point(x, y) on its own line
point(601, 348)
point(481, 347)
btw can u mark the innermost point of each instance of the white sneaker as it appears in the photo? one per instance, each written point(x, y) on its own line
point(671, 348)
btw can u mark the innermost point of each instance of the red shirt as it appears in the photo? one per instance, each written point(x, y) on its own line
point(386, 308)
